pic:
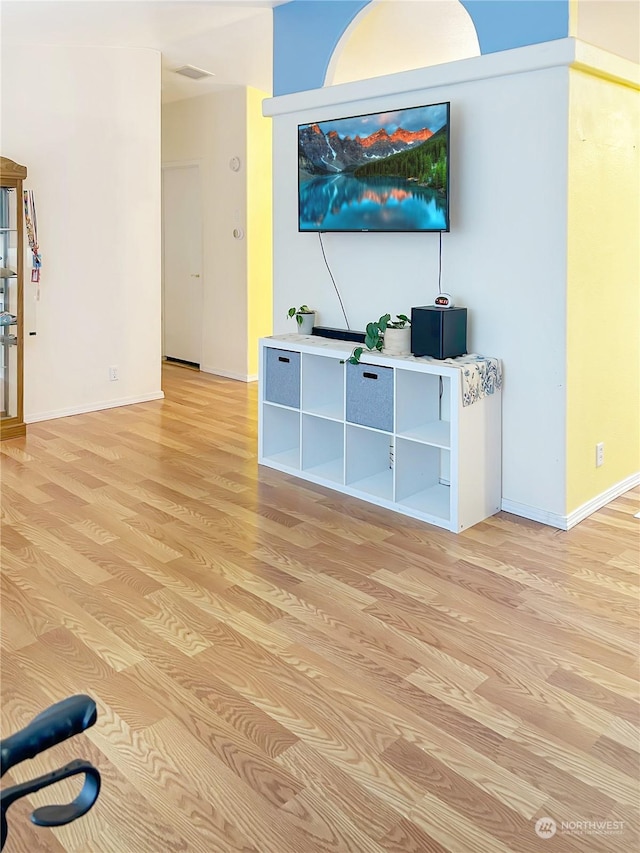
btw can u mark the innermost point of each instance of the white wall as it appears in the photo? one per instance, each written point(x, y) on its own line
point(210, 130)
point(85, 121)
point(504, 259)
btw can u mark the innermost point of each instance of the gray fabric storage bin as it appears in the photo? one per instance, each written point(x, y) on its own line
point(282, 377)
point(370, 396)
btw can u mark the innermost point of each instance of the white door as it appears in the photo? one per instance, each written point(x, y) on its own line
point(182, 264)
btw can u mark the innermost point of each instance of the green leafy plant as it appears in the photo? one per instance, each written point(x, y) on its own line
point(296, 312)
point(399, 323)
point(374, 334)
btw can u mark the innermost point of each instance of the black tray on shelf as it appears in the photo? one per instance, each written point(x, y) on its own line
point(339, 334)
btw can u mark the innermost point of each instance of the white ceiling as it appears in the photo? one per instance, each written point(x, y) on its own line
point(231, 38)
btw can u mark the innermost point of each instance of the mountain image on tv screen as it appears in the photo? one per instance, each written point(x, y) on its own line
point(378, 172)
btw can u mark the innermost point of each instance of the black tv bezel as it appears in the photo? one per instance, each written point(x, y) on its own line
point(446, 230)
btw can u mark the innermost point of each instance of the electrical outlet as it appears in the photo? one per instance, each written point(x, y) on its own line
point(113, 374)
point(599, 454)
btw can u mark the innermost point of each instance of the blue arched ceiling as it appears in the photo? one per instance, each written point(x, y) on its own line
point(503, 24)
point(306, 32)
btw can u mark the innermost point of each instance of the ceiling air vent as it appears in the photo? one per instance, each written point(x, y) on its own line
point(193, 72)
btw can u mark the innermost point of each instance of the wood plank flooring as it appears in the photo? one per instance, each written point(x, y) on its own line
point(282, 669)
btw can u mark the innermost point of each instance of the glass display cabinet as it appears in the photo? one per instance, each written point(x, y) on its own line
point(11, 300)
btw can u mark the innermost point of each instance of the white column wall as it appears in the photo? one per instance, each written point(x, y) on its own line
point(85, 121)
point(504, 259)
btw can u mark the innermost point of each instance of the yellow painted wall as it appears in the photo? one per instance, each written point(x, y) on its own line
point(603, 285)
point(259, 227)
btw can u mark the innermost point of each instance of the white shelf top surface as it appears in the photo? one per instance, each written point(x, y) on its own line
point(315, 345)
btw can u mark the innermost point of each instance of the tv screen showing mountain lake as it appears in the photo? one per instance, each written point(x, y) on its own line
point(380, 172)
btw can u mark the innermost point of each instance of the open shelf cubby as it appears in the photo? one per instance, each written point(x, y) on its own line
point(323, 448)
point(422, 407)
point(422, 473)
point(369, 468)
point(281, 436)
point(323, 386)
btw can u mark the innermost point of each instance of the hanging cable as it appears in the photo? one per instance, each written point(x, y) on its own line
point(333, 280)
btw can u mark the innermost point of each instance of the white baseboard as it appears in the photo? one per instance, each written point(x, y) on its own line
point(552, 519)
point(241, 377)
point(602, 499)
point(92, 407)
point(566, 522)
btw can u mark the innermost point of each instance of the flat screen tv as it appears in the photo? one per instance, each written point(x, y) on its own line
point(376, 172)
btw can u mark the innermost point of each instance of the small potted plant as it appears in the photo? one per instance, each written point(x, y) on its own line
point(305, 318)
point(397, 336)
point(392, 337)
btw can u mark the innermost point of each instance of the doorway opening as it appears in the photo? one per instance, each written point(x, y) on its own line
point(182, 281)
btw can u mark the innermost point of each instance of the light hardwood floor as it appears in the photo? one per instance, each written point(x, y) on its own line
point(282, 669)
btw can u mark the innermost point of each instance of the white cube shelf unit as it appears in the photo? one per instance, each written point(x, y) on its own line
point(391, 431)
